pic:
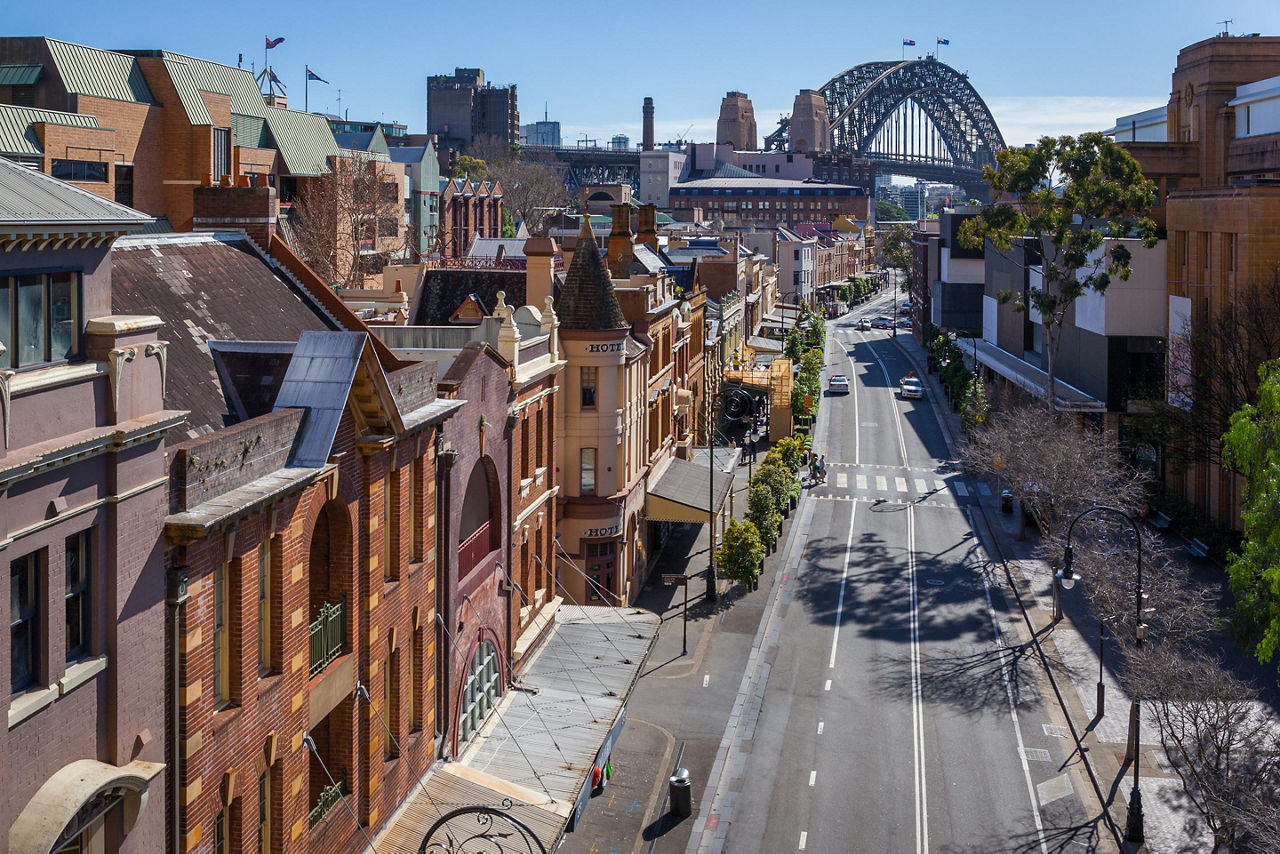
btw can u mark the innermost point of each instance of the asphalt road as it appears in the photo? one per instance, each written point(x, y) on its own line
point(898, 710)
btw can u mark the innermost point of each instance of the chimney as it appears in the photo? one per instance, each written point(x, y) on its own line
point(225, 208)
point(648, 125)
point(620, 243)
point(647, 233)
point(539, 276)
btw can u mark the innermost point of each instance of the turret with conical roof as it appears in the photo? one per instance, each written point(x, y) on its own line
point(587, 300)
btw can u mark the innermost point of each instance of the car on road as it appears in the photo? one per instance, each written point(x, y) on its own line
point(904, 323)
point(863, 324)
point(881, 322)
point(906, 306)
point(910, 387)
point(838, 384)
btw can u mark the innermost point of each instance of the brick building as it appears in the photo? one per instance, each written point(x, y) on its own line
point(755, 202)
point(82, 448)
point(468, 209)
point(1215, 166)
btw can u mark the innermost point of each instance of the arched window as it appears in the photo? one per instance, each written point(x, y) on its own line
point(481, 691)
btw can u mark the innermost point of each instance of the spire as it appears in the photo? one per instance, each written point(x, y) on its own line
point(587, 300)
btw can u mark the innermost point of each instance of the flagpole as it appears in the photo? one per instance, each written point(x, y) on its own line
point(306, 90)
point(265, 40)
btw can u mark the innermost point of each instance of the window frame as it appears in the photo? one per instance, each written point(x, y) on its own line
point(28, 619)
point(83, 545)
point(10, 315)
point(586, 487)
point(221, 637)
point(266, 614)
point(593, 386)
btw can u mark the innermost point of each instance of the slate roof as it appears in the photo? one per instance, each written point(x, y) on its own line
point(587, 300)
point(31, 198)
point(487, 247)
point(206, 286)
point(442, 291)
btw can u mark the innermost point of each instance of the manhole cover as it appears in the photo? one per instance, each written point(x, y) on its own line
point(934, 582)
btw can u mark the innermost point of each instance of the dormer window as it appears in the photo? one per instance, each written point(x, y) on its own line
point(40, 319)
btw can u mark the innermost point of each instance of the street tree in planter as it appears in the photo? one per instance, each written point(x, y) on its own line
point(776, 478)
point(762, 512)
point(1063, 197)
point(740, 553)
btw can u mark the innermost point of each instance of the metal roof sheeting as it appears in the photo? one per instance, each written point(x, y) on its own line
point(100, 73)
point(17, 136)
point(19, 75)
point(583, 674)
point(184, 81)
point(304, 141)
point(28, 197)
point(249, 131)
point(319, 380)
point(238, 83)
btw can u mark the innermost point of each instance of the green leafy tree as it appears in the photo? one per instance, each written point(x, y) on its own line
point(740, 552)
point(775, 477)
point(889, 212)
point(763, 513)
point(1066, 195)
point(973, 404)
point(508, 223)
point(1252, 445)
point(466, 166)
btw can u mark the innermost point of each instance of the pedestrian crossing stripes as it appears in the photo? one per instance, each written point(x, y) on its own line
point(860, 481)
point(899, 490)
point(916, 502)
point(983, 489)
point(900, 483)
point(920, 485)
point(842, 480)
point(882, 483)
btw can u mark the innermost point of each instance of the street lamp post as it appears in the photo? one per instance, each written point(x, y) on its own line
point(712, 594)
point(1067, 578)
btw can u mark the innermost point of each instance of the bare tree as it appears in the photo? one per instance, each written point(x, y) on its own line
point(1053, 465)
point(492, 149)
point(1221, 357)
point(349, 223)
point(1224, 750)
point(532, 191)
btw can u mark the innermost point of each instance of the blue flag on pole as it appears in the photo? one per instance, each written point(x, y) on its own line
point(909, 42)
point(943, 41)
point(311, 75)
point(273, 42)
point(274, 79)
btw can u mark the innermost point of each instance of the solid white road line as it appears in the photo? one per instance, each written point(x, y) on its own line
point(844, 578)
point(917, 706)
point(706, 679)
point(897, 421)
point(1013, 708)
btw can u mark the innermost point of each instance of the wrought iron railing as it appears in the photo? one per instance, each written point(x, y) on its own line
point(328, 634)
point(473, 549)
point(330, 797)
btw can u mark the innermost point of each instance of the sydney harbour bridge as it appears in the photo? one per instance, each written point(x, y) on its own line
point(916, 117)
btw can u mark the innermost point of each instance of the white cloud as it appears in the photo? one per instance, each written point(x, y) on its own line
point(1026, 118)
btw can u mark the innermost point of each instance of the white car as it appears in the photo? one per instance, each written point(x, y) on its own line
point(910, 387)
point(838, 384)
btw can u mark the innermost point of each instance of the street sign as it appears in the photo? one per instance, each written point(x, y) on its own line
point(675, 580)
point(808, 402)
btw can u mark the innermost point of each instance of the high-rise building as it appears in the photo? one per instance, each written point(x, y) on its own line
point(462, 106)
point(737, 122)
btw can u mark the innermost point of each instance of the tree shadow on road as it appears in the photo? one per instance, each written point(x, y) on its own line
point(1067, 837)
point(971, 683)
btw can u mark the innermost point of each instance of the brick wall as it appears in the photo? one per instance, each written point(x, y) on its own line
point(211, 465)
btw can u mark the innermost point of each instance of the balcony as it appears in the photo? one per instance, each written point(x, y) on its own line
point(473, 549)
point(328, 635)
point(330, 797)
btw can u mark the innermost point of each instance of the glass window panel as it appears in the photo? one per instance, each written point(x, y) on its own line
point(6, 322)
point(23, 630)
point(63, 320)
point(32, 331)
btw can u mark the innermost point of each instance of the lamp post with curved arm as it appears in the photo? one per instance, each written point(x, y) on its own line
point(712, 593)
point(1067, 578)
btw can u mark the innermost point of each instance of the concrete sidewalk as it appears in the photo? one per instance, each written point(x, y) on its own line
point(682, 704)
point(1071, 651)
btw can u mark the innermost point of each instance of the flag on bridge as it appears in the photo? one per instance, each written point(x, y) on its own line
point(273, 42)
point(909, 42)
point(311, 75)
point(941, 40)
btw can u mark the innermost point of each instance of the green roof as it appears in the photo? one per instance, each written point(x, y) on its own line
point(19, 75)
point(249, 131)
point(17, 136)
point(223, 79)
point(188, 93)
point(100, 73)
point(304, 140)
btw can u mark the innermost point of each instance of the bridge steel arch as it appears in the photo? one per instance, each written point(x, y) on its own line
point(862, 99)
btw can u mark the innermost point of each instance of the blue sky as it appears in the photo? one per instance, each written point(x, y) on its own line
point(1042, 67)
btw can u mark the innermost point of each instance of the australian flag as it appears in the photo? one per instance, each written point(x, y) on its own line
point(274, 79)
point(943, 41)
point(311, 75)
point(909, 42)
point(273, 42)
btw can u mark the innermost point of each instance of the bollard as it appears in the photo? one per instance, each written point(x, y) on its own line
point(680, 793)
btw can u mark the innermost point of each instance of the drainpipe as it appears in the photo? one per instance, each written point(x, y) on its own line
point(513, 420)
point(175, 597)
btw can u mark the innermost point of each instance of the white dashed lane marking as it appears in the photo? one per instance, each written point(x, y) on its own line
point(961, 490)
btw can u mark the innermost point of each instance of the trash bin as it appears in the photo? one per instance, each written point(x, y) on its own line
point(1006, 501)
point(681, 793)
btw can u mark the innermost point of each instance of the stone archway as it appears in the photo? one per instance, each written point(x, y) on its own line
point(77, 796)
point(480, 522)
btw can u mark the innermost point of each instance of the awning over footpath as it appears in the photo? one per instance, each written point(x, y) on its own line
point(533, 759)
point(683, 494)
point(1030, 378)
